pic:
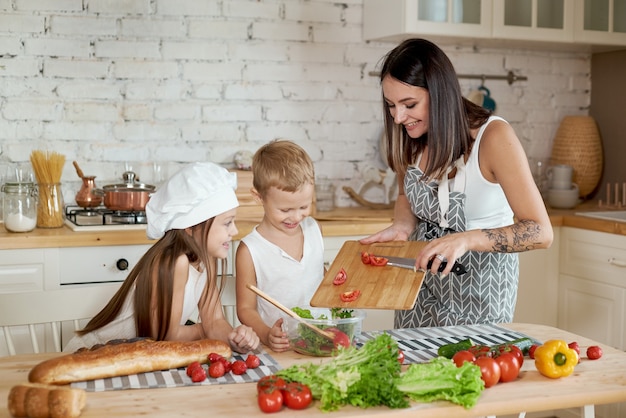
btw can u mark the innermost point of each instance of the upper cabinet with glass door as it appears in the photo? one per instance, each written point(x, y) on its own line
point(393, 20)
point(600, 22)
point(537, 20)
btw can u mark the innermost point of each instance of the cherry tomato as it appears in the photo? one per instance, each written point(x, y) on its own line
point(400, 356)
point(341, 277)
point(198, 374)
point(574, 346)
point(239, 367)
point(227, 365)
point(594, 352)
point(531, 350)
point(340, 338)
point(271, 381)
point(192, 366)
point(462, 356)
point(480, 351)
point(350, 296)
point(213, 357)
point(297, 395)
point(270, 400)
point(217, 369)
point(378, 261)
point(253, 361)
point(489, 370)
point(509, 366)
point(365, 257)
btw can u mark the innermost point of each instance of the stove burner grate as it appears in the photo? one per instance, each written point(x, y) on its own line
point(102, 216)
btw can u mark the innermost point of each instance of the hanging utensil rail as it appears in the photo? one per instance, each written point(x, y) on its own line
point(510, 77)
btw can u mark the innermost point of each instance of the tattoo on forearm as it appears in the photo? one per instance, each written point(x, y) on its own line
point(522, 236)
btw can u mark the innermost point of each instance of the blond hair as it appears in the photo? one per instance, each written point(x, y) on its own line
point(282, 164)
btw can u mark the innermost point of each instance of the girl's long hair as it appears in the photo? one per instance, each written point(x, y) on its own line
point(153, 278)
point(421, 63)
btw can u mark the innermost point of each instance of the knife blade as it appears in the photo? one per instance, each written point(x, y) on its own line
point(409, 263)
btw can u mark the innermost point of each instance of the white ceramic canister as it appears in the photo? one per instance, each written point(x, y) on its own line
point(19, 206)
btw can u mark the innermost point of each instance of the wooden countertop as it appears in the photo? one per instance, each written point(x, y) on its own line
point(339, 222)
point(593, 382)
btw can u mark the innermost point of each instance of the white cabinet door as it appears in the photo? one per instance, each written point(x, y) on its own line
point(600, 22)
point(397, 19)
point(537, 292)
point(538, 20)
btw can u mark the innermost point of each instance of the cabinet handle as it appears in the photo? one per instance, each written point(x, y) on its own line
point(122, 264)
point(615, 262)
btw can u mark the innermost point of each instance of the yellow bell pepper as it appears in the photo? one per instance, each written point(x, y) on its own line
point(555, 359)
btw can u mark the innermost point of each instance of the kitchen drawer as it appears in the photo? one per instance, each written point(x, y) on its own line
point(98, 264)
point(597, 256)
point(22, 270)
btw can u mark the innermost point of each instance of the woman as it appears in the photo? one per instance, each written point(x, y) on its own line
point(464, 185)
point(175, 282)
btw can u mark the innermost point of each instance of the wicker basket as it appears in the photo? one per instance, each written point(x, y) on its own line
point(578, 143)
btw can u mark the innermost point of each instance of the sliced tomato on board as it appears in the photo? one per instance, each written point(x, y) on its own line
point(350, 296)
point(341, 277)
point(365, 257)
point(378, 261)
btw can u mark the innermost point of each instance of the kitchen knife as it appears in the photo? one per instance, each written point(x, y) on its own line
point(409, 263)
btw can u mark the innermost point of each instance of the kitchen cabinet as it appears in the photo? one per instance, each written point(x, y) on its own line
point(600, 22)
point(392, 20)
point(592, 292)
point(538, 20)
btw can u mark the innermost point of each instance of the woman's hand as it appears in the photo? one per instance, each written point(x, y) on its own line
point(391, 233)
point(277, 338)
point(447, 248)
point(243, 339)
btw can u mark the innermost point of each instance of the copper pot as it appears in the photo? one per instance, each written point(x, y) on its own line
point(129, 196)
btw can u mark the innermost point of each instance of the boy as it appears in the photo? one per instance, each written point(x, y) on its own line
point(284, 254)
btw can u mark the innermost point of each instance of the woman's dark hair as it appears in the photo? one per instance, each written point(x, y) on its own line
point(421, 63)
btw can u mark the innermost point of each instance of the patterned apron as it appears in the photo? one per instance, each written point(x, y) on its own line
point(486, 293)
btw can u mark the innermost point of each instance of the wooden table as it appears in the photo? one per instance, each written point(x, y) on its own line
point(594, 382)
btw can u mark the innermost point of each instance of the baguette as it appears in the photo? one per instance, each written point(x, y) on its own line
point(45, 401)
point(125, 358)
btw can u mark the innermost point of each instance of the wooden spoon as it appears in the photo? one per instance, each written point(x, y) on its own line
point(326, 334)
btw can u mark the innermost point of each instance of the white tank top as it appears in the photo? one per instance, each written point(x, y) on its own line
point(290, 281)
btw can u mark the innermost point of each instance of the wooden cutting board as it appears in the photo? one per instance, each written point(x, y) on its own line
point(381, 287)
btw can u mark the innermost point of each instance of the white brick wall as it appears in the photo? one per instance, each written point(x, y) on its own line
point(111, 81)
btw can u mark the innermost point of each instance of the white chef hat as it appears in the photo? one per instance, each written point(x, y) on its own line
point(192, 195)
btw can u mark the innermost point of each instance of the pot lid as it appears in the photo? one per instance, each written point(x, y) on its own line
point(131, 185)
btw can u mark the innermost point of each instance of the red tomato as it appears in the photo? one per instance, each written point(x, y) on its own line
point(480, 351)
point(365, 257)
point(509, 366)
point(515, 350)
point(270, 400)
point(227, 364)
point(198, 374)
point(297, 395)
point(531, 350)
point(350, 296)
point(213, 357)
point(271, 381)
point(341, 277)
point(574, 346)
point(217, 369)
point(400, 356)
point(253, 361)
point(462, 356)
point(594, 352)
point(192, 366)
point(378, 261)
point(340, 339)
point(489, 370)
point(239, 367)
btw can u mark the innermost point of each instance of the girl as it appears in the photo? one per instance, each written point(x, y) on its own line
point(193, 218)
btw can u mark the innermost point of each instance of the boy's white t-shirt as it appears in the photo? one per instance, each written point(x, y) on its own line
point(293, 283)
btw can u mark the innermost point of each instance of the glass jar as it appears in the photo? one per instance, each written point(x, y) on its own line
point(50, 209)
point(19, 206)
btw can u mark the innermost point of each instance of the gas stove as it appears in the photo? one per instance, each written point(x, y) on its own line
point(103, 219)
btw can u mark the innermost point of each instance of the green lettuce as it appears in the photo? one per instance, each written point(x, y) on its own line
point(441, 379)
